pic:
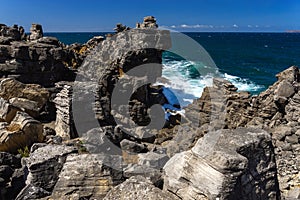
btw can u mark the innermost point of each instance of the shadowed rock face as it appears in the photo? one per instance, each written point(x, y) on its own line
point(35, 59)
point(110, 63)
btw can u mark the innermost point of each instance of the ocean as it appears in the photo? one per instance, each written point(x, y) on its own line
point(249, 60)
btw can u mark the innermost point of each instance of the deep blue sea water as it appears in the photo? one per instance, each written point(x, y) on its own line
point(249, 60)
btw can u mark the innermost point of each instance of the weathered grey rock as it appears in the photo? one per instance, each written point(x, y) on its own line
point(64, 124)
point(294, 194)
point(285, 89)
point(30, 107)
point(41, 60)
point(113, 58)
point(88, 176)
point(7, 111)
point(130, 146)
point(153, 159)
point(138, 188)
point(98, 140)
point(36, 32)
point(152, 174)
point(32, 192)
point(149, 22)
point(44, 166)
point(21, 132)
point(280, 132)
point(226, 164)
point(120, 27)
point(49, 40)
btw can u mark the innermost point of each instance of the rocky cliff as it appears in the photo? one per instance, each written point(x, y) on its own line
point(91, 131)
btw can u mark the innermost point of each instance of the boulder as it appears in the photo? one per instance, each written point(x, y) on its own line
point(153, 159)
point(11, 88)
point(226, 164)
point(149, 22)
point(21, 132)
point(130, 146)
point(98, 140)
point(152, 174)
point(43, 168)
point(139, 188)
point(30, 107)
point(7, 111)
point(36, 32)
point(88, 176)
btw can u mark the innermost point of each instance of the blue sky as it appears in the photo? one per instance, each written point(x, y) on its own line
point(194, 15)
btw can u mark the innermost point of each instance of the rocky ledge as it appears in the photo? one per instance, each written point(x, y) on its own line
point(64, 136)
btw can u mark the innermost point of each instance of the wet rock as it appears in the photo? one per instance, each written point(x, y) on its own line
point(139, 188)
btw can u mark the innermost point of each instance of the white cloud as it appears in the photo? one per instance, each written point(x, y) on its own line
point(249, 26)
point(235, 26)
point(184, 26)
point(173, 26)
point(196, 26)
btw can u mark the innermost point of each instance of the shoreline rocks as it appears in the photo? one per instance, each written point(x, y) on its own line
point(53, 104)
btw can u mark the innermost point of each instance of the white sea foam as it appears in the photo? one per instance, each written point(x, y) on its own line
point(186, 89)
point(243, 84)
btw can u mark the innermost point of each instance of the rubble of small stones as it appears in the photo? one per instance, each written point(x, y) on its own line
point(58, 111)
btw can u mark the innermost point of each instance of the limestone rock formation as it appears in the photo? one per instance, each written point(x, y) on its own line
point(43, 168)
point(36, 32)
point(10, 88)
point(21, 132)
point(112, 59)
point(209, 159)
point(226, 164)
point(11, 33)
point(139, 188)
point(88, 176)
point(39, 60)
point(149, 22)
point(64, 124)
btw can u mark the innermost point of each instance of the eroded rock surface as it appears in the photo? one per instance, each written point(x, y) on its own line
point(237, 164)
